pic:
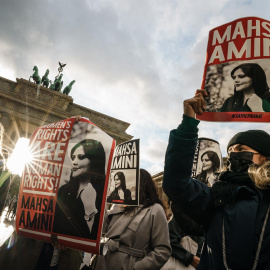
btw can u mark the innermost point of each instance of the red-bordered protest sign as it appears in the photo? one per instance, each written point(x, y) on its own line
point(237, 72)
point(63, 189)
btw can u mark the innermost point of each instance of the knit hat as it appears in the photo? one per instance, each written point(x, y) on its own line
point(258, 140)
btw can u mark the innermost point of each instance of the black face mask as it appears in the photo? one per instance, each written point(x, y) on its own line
point(239, 161)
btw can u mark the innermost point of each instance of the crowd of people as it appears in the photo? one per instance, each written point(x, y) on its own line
point(215, 225)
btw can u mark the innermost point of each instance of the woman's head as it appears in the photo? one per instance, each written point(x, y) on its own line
point(88, 156)
point(148, 192)
point(120, 180)
point(250, 76)
point(247, 148)
point(257, 140)
point(210, 161)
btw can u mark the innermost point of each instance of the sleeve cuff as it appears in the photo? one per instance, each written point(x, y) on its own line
point(188, 129)
point(188, 259)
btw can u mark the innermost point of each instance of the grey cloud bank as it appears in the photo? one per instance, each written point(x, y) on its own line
point(134, 60)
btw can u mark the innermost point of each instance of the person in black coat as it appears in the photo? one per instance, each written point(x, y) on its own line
point(181, 226)
point(235, 211)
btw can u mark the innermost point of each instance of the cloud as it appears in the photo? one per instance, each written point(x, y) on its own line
point(133, 60)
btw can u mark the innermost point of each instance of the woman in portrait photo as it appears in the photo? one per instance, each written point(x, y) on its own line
point(210, 166)
point(120, 192)
point(251, 91)
point(79, 201)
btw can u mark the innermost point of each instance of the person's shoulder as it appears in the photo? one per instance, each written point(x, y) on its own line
point(266, 105)
point(226, 104)
point(63, 189)
point(127, 191)
point(114, 193)
point(156, 208)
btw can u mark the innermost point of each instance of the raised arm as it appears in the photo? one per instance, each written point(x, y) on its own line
point(192, 196)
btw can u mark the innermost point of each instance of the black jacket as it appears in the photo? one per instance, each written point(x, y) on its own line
point(243, 220)
point(177, 232)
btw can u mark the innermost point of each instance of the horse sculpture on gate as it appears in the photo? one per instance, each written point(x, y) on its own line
point(67, 89)
point(45, 80)
point(57, 84)
point(35, 76)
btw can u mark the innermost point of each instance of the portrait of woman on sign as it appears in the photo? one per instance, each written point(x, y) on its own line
point(82, 183)
point(238, 87)
point(210, 166)
point(207, 161)
point(120, 192)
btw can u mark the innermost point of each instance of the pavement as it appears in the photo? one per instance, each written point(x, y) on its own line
point(7, 227)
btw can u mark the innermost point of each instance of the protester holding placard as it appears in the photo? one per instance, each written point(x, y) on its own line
point(251, 92)
point(235, 211)
point(138, 235)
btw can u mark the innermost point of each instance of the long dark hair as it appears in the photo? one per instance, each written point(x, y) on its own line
point(148, 192)
point(259, 82)
point(122, 179)
point(213, 157)
point(94, 151)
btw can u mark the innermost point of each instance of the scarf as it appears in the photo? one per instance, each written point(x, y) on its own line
point(224, 189)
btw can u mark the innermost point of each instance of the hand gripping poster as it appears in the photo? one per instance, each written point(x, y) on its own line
point(237, 72)
point(207, 161)
point(124, 182)
point(63, 189)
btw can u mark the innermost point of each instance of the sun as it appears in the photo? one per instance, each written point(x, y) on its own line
point(20, 156)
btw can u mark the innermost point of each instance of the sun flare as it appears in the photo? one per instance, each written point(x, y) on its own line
point(20, 156)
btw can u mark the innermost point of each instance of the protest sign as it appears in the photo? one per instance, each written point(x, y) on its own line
point(207, 161)
point(125, 176)
point(237, 72)
point(63, 189)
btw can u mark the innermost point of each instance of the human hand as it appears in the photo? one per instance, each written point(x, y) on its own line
point(255, 103)
point(88, 197)
point(195, 261)
point(78, 117)
point(195, 105)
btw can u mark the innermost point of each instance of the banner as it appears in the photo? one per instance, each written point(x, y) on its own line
point(124, 183)
point(63, 189)
point(207, 161)
point(237, 72)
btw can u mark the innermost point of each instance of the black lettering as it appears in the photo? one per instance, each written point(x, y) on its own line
point(45, 203)
point(50, 207)
point(38, 204)
point(25, 204)
point(22, 219)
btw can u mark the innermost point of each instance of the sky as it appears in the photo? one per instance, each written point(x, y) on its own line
point(135, 60)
